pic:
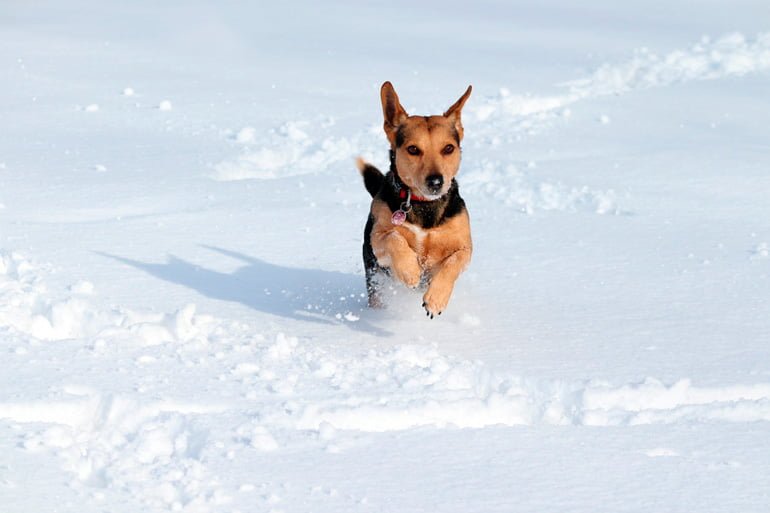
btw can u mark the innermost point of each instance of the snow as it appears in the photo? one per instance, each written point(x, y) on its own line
point(182, 304)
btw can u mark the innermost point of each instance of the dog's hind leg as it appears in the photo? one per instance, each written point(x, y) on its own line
point(374, 278)
point(372, 269)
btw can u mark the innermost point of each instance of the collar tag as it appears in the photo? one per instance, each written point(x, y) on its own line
point(399, 216)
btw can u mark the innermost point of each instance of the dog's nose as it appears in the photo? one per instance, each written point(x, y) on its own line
point(434, 182)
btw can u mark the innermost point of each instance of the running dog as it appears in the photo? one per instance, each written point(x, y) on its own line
point(418, 229)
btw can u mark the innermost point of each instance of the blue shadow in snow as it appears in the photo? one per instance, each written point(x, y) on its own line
point(310, 295)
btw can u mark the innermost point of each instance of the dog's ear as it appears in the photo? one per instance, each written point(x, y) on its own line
point(392, 111)
point(453, 112)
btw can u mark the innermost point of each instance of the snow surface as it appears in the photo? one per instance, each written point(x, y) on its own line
point(182, 301)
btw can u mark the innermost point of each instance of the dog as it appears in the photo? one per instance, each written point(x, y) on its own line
point(418, 229)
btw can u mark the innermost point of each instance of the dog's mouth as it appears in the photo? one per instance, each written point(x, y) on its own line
point(432, 196)
point(432, 193)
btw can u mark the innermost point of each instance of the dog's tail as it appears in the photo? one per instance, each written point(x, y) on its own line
point(373, 177)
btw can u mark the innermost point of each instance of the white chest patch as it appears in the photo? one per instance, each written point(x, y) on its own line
point(419, 233)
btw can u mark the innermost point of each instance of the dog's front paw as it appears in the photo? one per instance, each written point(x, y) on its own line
point(435, 300)
point(408, 273)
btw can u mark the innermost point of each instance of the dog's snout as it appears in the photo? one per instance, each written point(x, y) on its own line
point(434, 182)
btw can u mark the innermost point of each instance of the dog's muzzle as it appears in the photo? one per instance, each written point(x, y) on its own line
point(434, 183)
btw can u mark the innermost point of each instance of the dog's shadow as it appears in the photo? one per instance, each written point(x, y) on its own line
point(311, 295)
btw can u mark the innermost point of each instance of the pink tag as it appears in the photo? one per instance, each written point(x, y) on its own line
point(398, 217)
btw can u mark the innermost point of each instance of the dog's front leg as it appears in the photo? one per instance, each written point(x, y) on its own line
point(443, 281)
point(393, 251)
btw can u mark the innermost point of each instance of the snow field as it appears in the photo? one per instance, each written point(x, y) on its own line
point(605, 353)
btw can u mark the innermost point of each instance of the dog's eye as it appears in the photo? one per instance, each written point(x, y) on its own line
point(413, 150)
point(449, 148)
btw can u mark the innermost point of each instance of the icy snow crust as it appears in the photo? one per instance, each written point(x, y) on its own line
point(181, 299)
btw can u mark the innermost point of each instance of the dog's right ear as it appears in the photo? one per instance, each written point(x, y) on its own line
point(392, 111)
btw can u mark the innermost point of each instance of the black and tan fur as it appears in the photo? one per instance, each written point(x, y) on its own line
point(433, 246)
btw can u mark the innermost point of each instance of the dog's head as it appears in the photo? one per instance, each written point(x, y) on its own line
point(427, 148)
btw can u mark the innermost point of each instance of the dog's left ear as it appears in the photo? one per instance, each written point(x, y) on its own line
point(453, 112)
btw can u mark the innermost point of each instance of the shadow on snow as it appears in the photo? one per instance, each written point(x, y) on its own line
point(311, 295)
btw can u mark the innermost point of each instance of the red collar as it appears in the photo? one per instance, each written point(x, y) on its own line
point(402, 195)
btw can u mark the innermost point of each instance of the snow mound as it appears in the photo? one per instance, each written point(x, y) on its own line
point(761, 251)
point(154, 450)
point(28, 308)
point(652, 402)
point(506, 183)
point(286, 151)
point(439, 391)
point(730, 55)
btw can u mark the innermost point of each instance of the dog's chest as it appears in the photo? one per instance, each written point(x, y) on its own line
point(415, 236)
point(426, 243)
